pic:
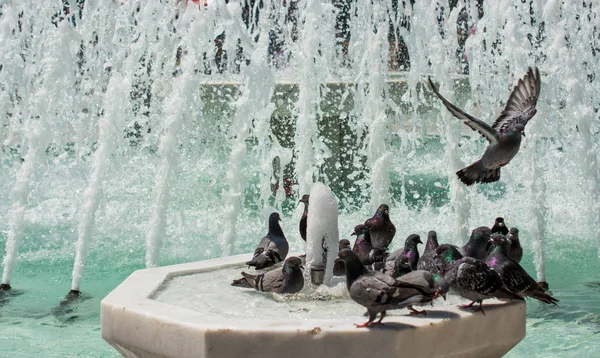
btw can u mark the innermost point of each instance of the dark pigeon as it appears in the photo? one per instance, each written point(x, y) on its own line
point(304, 218)
point(338, 265)
point(382, 232)
point(499, 226)
point(478, 243)
point(362, 246)
point(471, 278)
point(515, 251)
point(427, 261)
point(409, 255)
point(287, 280)
point(273, 248)
point(514, 276)
point(504, 136)
point(377, 291)
point(435, 282)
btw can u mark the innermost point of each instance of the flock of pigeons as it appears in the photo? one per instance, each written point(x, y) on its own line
point(487, 266)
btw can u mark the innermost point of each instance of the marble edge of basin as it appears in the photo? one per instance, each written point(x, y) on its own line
point(138, 326)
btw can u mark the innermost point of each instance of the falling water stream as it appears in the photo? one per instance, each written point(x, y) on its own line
point(142, 133)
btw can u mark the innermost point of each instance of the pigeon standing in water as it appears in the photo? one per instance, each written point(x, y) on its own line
point(499, 226)
point(382, 232)
point(379, 292)
point(515, 251)
point(304, 218)
point(514, 276)
point(362, 246)
point(504, 136)
point(471, 278)
point(478, 243)
point(273, 248)
point(409, 255)
point(287, 280)
point(338, 265)
point(427, 261)
point(435, 282)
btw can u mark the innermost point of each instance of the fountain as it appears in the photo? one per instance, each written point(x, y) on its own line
point(145, 133)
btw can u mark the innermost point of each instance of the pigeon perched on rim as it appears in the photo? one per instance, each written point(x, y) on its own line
point(304, 218)
point(514, 276)
point(504, 136)
point(515, 251)
point(499, 226)
point(362, 245)
point(289, 279)
point(478, 243)
point(426, 261)
point(273, 248)
point(471, 278)
point(377, 291)
point(382, 232)
point(408, 255)
point(338, 265)
point(435, 282)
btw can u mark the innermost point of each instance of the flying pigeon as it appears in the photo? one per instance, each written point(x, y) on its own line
point(362, 246)
point(434, 282)
point(471, 278)
point(382, 232)
point(426, 261)
point(338, 265)
point(287, 280)
point(515, 251)
point(273, 248)
point(499, 226)
point(304, 218)
point(504, 136)
point(478, 243)
point(514, 276)
point(377, 291)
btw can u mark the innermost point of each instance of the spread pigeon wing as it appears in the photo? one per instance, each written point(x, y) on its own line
point(520, 107)
point(477, 125)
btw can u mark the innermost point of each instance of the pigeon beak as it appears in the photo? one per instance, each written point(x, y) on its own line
point(353, 234)
point(301, 266)
point(523, 134)
point(419, 241)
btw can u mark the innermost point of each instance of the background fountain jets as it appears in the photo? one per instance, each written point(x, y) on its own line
point(322, 234)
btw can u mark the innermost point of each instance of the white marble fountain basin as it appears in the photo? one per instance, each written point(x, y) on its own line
point(212, 319)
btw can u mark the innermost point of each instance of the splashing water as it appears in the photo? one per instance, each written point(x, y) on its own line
point(138, 133)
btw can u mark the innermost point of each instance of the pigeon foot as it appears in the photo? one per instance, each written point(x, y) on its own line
point(416, 312)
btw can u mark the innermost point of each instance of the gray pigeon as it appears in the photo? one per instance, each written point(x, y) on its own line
point(410, 253)
point(471, 278)
point(435, 282)
point(499, 226)
point(287, 280)
point(362, 245)
point(304, 218)
point(396, 262)
point(379, 292)
point(338, 265)
point(273, 248)
point(515, 251)
point(478, 243)
point(426, 261)
point(504, 136)
point(382, 232)
point(514, 276)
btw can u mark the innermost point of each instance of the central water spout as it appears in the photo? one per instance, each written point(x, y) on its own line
point(322, 234)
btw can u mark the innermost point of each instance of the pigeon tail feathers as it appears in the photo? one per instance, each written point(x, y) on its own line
point(477, 173)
